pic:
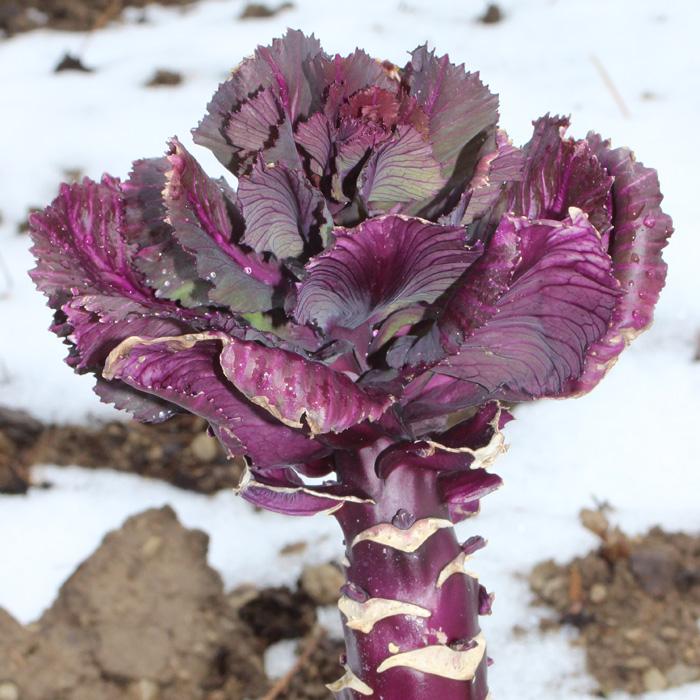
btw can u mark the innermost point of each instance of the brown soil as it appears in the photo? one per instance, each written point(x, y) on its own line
point(178, 451)
point(71, 15)
point(636, 604)
point(17, 16)
point(146, 618)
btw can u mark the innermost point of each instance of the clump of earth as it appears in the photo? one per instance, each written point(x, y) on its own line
point(17, 16)
point(179, 451)
point(146, 618)
point(635, 602)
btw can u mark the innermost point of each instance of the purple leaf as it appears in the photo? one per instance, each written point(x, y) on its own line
point(283, 212)
point(471, 302)
point(351, 74)
point(186, 371)
point(85, 267)
point(354, 143)
point(560, 173)
point(297, 391)
point(464, 489)
point(384, 264)
point(494, 170)
point(290, 69)
point(143, 407)
point(316, 137)
point(79, 247)
point(459, 108)
point(559, 301)
point(401, 170)
point(641, 231)
point(254, 127)
point(167, 267)
point(282, 491)
point(473, 443)
point(207, 224)
point(100, 322)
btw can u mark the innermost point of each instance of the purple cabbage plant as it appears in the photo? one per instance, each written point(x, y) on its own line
point(389, 269)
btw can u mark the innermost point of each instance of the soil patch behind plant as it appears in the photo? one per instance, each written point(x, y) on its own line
point(636, 604)
point(146, 618)
point(178, 451)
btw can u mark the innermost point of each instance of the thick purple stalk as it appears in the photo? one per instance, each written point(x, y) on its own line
point(409, 608)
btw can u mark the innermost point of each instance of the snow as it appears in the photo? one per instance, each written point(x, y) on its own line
point(630, 443)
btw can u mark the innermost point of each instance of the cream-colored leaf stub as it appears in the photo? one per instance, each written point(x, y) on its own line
point(351, 681)
point(404, 540)
point(440, 660)
point(345, 562)
point(456, 566)
point(363, 616)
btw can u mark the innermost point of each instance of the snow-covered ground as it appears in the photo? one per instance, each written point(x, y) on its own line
point(632, 442)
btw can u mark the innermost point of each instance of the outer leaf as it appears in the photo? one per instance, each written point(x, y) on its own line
point(641, 231)
point(561, 173)
point(383, 265)
point(100, 322)
point(79, 248)
point(186, 371)
point(167, 267)
point(283, 212)
point(143, 407)
point(558, 302)
point(205, 222)
point(85, 267)
point(298, 391)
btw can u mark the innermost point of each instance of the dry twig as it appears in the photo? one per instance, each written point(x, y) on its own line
point(611, 86)
point(283, 682)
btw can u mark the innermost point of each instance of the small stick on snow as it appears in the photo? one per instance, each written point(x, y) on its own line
point(283, 682)
point(611, 86)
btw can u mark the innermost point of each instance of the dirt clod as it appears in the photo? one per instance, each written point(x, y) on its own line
point(163, 77)
point(636, 606)
point(132, 623)
point(70, 62)
point(279, 613)
point(255, 10)
point(18, 16)
point(322, 583)
point(492, 15)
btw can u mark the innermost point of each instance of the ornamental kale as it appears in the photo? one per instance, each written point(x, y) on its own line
point(388, 260)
